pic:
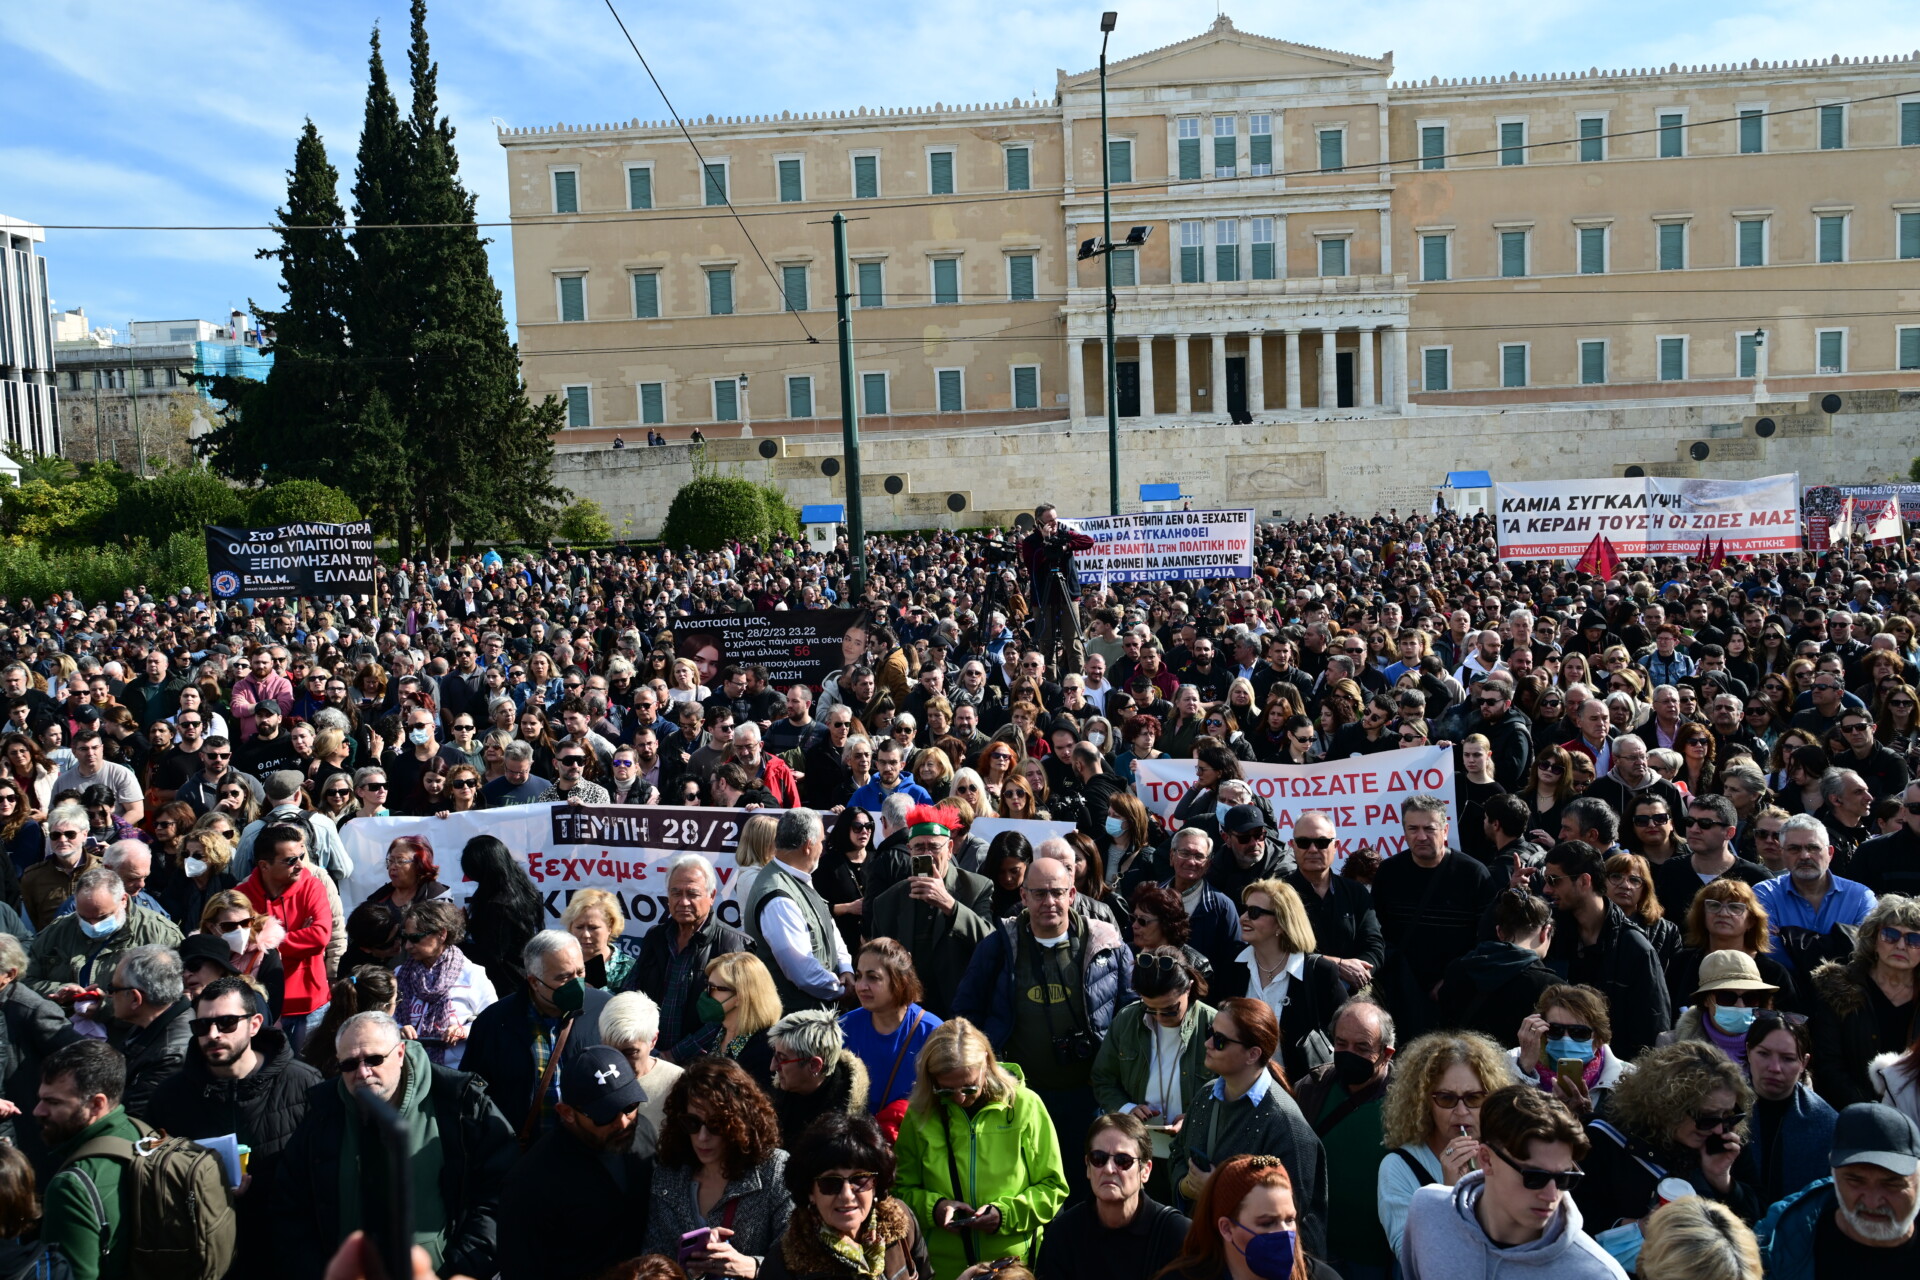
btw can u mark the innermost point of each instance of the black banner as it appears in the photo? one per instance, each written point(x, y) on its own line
point(797, 647)
point(292, 560)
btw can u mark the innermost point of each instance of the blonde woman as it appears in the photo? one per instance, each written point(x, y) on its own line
point(685, 686)
point(253, 942)
point(594, 918)
point(1694, 1238)
point(1430, 1122)
point(736, 1010)
point(1281, 968)
point(754, 851)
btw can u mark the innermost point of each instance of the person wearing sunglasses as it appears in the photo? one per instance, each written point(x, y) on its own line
point(1124, 1232)
point(1152, 1064)
point(1513, 1211)
point(1430, 1121)
point(1727, 995)
point(1865, 1008)
point(841, 1175)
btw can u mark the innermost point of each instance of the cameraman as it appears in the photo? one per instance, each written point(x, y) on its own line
point(1048, 553)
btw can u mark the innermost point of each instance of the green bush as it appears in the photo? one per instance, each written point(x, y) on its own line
point(584, 521)
point(174, 502)
point(102, 573)
point(783, 518)
point(300, 502)
point(59, 514)
point(713, 510)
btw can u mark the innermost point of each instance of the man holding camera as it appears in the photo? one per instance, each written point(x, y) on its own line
point(1048, 553)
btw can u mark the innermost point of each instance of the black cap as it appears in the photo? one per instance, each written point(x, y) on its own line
point(1242, 819)
point(601, 1083)
point(1872, 1133)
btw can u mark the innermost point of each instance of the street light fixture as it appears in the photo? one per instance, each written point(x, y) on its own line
point(1107, 22)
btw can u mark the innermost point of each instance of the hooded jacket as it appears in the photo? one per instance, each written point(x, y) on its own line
point(1493, 988)
point(1445, 1241)
point(844, 1089)
point(1511, 740)
point(1786, 1234)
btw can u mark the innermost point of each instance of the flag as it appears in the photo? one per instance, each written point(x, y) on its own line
point(1884, 524)
point(1706, 548)
point(1590, 558)
point(1719, 555)
point(1599, 559)
point(1840, 532)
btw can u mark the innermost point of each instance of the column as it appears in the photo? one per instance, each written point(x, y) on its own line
point(1077, 380)
point(1293, 368)
point(1329, 376)
point(1366, 397)
point(1146, 375)
point(1182, 375)
point(1217, 390)
point(1256, 372)
point(1397, 396)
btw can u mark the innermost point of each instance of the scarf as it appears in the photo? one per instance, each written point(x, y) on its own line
point(423, 1003)
point(863, 1256)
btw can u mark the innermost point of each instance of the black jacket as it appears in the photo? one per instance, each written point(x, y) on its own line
point(1511, 737)
point(500, 1049)
point(1310, 1002)
point(563, 1215)
point(1492, 989)
point(1675, 881)
point(497, 937)
point(154, 1054)
point(476, 1150)
point(1888, 864)
point(1225, 873)
point(656, 952)
point(1344, 924)
point(1077, 1247)
point(1628, 973)
point(34, 1027)
point(1846, 1032)
point(827, 782)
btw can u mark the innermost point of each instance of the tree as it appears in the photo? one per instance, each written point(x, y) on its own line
point(712, 510)
point(68, 514)
point(173, 502)
point(584, 521)
point(300, 502)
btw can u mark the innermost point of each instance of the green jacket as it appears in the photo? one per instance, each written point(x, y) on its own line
point(1126, 1055)
point(69, 1219)
point(1007, 1156)
point(61, 953)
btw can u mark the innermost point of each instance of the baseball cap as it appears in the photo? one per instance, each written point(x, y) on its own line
point(1872, 1133)
point(601, 1083)
point(1243, 818)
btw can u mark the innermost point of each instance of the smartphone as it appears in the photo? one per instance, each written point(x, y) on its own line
point(692, 1242)
point(923, 864)
point(386, 1190)
point(1572, 1070)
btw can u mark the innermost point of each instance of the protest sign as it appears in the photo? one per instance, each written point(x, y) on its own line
point(1648, 516)
point(292, 560)
point(802, 646)
point(1034, 829)
point(1822, 503)
point(1166, 546)
point(1362, 795)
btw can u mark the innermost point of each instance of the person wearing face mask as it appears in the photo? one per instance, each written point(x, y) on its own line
point(521, 1044)
point(1726, 996)
point(1247, 1226)
point(76, 954)
point(1344, 1101)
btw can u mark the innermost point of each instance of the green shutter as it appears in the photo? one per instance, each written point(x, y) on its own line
point(1189, 159)
point(1753, 242)
point(1753, 125)
point(716, 184)
point(719, 293)
point(950, 391)
point(1672, 135)
point(940, 173)
point(1020, 278)
point(1126, 267)
point(1226, 262)
point(1593, 362)
point(646, 295)
point(793, 287)
point(579, 407)
point(1593, 251)
point(790, 188)
point(872, 290)
point(1513, 138)
point(573, 298)
point(1433, 147)
point(1225, 154)
point(1263, 260)
point(1513, 366)
point(1673, 359)
point(1260, 151)
point(1333, 150)
point(946, 281)
point(873, 393)
point(1910, 235)
point(1749, 356)
point(1119, 160)
point(1832, 349)
point(1833, 239)
point(566, 192)
point(1019, 169)
point(866, 177)
point(1436, 371)
point(1910, 124)
point(799, 397)
point(1910, 348)
point(726, 400)
point(1333, 257)
point(1513, 253)
point(1192, 265)
point(1673, 246)
point(639, 188)
point(1593, 142)
point(1833, 128)
point(1026, 387)
point(1433, 257)
point(653, 403)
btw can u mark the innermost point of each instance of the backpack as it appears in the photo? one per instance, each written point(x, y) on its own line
point(181, 1222)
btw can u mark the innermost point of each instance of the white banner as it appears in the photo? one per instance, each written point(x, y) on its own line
point(1362, 795)
point(1648, 516)
point(1166, 546)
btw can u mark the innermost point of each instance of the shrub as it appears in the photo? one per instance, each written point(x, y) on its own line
point(300, 502)
point(69, 514)
point(174, 502)
point(783, 518)
point(584, 521)
point(102, 573)
point(713, 510)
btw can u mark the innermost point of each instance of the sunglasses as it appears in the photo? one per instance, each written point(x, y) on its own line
point(964, 1091)
point(1550, 768)
point(1651, 819)
point(1537, 1179)
point(414, 938)
point(1709, 1121)
point(370, 1061)
point(832, 1184)
point(373, 786)
point(1895, 937)
point(226, 1022)
point(1220, 1040)
point(1570, 1031)
point(1447, 1099)
point(1121, 1160)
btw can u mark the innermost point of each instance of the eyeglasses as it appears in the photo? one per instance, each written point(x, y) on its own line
point(1537, 1179)
point(832, 1184)
point(1709, 1121)
point(1621, 878)
point(1896, 937)
point(1447, 1099)
point(1306, 842)
point(1579, 1031)
point(1220, 1040)
point(1652, 819)
point(226, 1022)
point(1121, 1160)
point(1258, 913)
point(370, 1061)
point(960, 1091)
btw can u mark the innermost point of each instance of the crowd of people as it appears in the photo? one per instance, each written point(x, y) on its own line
point(1636, 998)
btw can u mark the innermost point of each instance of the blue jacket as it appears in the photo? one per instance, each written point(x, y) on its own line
point(1786, 1233)
point(1805, 1138)
point(871, 796)
point(1216, 925)
point(986, 993)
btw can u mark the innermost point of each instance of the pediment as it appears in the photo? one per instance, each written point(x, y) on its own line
point(1224, 54)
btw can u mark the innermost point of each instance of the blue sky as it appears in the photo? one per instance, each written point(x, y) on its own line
point(185, 111)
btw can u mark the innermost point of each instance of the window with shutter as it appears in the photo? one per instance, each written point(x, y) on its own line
point(1333, 150)
point(716, 184)
point(1593, 362)
point(873, 393)
point(1513, 139)
point(1593, 251)
point(646, 295)
point(720, 292)
point(1593, 141)
point(1026, 386)
point(871, 284)
point(1910, 348)
point(566, 191)
point(1438, 370)
point(1673, 359)
point(1433, 257)
point(946, 281)
point(573, 298)
point(726, 400)
point(800, 397)
point(1833, 239)
point(1673, 134)
point(1126, 267)
point(1753, 242)
point(791, 191)
point(1753, 132)
point(1513, 253)
point(1833, 127)
point(1833, 355)
point(1673, 246)
point(1189, 138)
point(793, 287)
point(1020, 278)
point(1225, 146)
point(1120, 160)
point(940, 173)
point(950, 396)
point(640, 188)
point(1264, 257)
point(1749, 361)
point(1333, 257)
point(1910, 124)
point(866, 177)
point(1193, 249)
point(653, 403)
point(1226, 250)
point(1513, 365)
point(579, 406)
point(1910, 235)
point(1260, 144)
point(1019, 169)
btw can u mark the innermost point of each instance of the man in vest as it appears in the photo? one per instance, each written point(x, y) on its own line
point(790, 923)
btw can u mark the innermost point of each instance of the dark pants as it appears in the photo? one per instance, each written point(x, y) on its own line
point(1072, 1111)
point(1059, 630)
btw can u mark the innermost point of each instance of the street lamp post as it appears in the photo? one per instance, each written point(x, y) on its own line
point(1107, 22)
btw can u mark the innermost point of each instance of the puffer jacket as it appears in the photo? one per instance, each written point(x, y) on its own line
point(1007, 1155)
point(1786, 1234)
point(844, 1089)
point(1846, 1034)
point(986, 995)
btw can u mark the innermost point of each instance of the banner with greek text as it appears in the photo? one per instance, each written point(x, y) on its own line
point(1822, 505)
point(1648, 516)
point(292, 560)
point(802, 646)
point(1362, 795)
point(1166, 546)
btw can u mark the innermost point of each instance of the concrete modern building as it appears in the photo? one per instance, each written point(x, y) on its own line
point(27, 395)
point(1319, 238)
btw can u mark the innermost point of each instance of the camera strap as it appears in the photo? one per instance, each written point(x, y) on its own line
point(953, 1175)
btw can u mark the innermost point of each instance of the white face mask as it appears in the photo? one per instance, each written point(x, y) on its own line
point(1097, 738)
point(196, 868)
point(236, 939)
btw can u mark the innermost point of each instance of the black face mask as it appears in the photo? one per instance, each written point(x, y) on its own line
point(1351, 1069)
